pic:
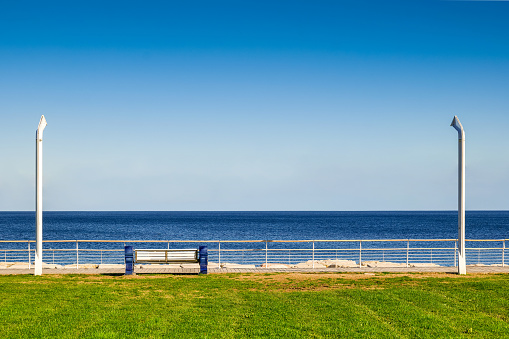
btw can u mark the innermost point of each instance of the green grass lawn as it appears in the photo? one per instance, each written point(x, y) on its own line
point(255, 305)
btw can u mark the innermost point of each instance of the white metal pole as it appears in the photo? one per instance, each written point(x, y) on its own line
point(462, 267)
point(38, 197)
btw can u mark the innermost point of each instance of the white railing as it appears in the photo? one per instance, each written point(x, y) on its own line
point(401, 252)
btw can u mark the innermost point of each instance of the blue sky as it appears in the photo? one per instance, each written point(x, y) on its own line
point(254, 105)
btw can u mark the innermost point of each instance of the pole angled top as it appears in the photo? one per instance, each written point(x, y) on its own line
point(458, 127)
point(42, 125)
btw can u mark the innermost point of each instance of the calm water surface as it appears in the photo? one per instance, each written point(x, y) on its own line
point(253, 225)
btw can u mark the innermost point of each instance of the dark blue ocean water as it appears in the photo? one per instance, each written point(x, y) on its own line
point(253, 225)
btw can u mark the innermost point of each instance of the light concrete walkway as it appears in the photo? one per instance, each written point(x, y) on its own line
point(165, 270)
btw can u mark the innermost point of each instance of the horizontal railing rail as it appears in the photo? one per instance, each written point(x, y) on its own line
point(264, 253)
point(246, 241)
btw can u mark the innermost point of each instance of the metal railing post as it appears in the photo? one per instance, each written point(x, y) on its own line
point(29, 258)
point(77, 255)
point(266, 254)
point(503, 253)
point(313, 254)
point(455, 250)
point(219, 253)
point(360, 254)
point(407, 249)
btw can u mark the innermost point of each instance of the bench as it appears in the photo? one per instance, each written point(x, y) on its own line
point(165, 256)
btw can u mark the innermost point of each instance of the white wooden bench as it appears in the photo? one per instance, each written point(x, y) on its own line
point(165, 256)
point(158, 256)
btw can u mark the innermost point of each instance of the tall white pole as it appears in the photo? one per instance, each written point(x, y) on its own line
point(38, 196)
point(462, 267)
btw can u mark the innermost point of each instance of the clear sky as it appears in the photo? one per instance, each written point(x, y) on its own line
point(254, 105)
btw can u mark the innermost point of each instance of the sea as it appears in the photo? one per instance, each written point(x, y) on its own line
point(223, 226)
point(249, 237)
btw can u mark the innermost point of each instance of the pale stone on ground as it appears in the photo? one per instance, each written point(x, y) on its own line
point(18, 266)
point(425, 264)
point(339, 263)
point(275, 265)
point(9, 263)
point(74, 266)
point(309, 264)
point(24, 265)
point(382, 264)
point(13, 265)
point(233, 265)
point(54, 266)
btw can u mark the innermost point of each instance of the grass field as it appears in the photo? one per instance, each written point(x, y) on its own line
point(290, 305)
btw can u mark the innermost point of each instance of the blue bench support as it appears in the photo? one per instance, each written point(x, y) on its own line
point(129, 260)
point(204, 259)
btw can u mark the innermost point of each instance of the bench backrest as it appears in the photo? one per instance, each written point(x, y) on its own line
point(166, 256)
